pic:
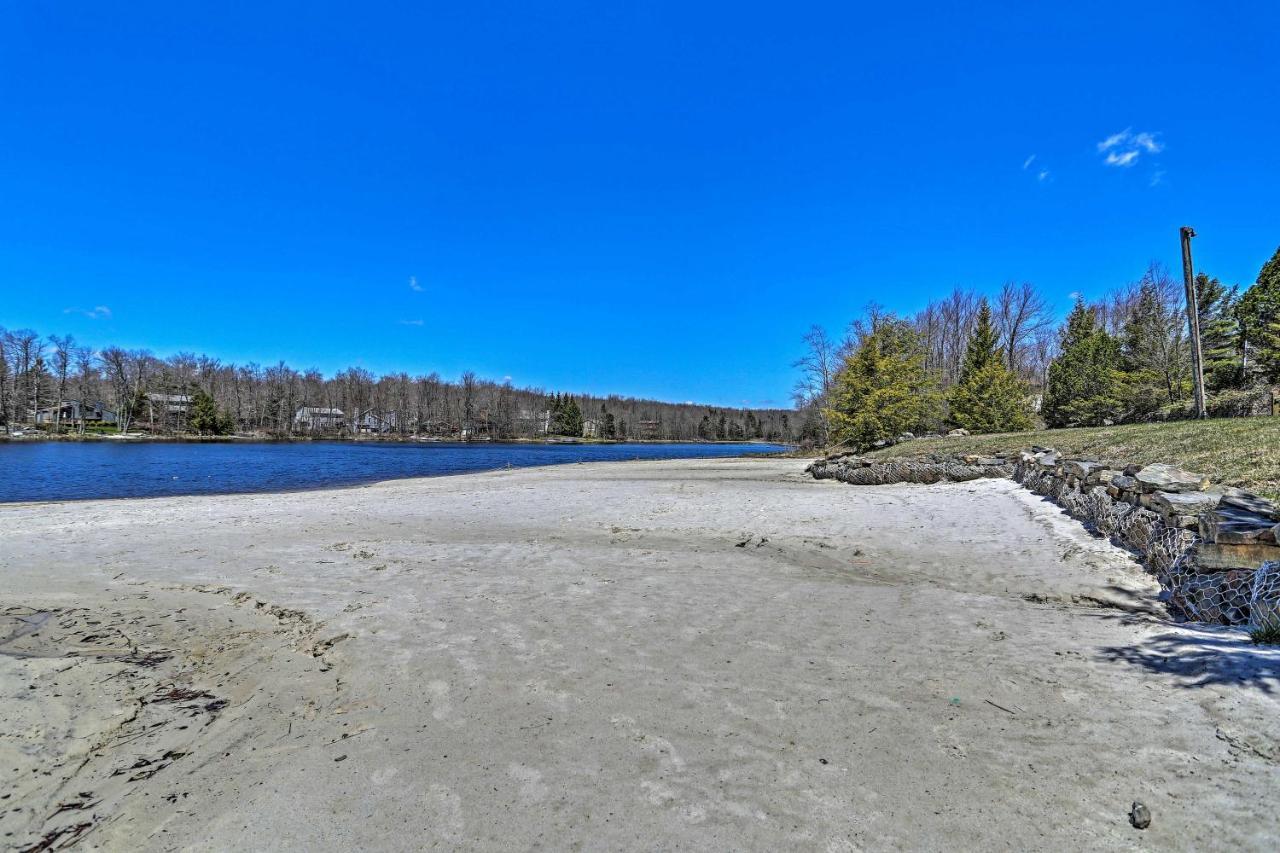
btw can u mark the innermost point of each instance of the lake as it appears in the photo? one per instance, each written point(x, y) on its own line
point(60, 471)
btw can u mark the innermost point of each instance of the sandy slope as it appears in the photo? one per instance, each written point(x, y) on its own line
point(657, 655)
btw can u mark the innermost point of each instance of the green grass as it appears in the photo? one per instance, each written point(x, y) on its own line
point(1268, 633)
point(1243, 452)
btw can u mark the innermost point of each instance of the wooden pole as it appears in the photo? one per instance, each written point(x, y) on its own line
point(1193, 322)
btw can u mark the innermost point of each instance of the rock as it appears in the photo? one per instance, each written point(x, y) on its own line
point(1047, 459)
point(1123, 481)
point(1228, 524)
point(1184, 503)
point(1139, 816)
point(1081, 468)
point(907, 436)
point(958, 433)
point(1169, 478)
point(1216, 557)
point(1248, 501)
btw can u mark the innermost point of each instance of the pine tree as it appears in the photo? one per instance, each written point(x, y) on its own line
point(1084, 380)
point(989, 397)
point(1219, 334)
point(572, 417)
point(883, 389)
point(1260, 318)
point(205, 417)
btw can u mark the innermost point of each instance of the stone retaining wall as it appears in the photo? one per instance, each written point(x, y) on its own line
point(1213, 549)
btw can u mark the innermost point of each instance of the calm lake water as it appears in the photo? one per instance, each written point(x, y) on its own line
point(59, 471)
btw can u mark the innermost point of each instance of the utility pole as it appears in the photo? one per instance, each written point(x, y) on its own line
point(1193, 321)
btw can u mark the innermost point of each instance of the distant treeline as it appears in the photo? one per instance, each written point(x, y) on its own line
point(1004, 364)
point(56, 385)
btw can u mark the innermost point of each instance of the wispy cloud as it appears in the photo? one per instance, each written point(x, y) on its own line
point(1042, 175)
point(413, 284)
point(1026, 164)
point(410, 322)
point(98, 312)
point(1157, 178)
point(1124, 148)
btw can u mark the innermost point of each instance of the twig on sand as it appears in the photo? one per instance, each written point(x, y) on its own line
point(1001, 707)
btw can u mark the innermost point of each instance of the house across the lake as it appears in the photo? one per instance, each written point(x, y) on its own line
point(171, 404)
point(377, 423)
point(319, 419)
point(75, 412)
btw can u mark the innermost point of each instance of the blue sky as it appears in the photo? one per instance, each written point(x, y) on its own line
point(653, 199)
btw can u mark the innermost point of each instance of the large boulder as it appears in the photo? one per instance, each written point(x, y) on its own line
point(958, 433)
point(1249, 502)
point(1185, 503)
point(1228, 524)
point(1048, 459)
point(1081, 468)
point(1217, 556)
point(1163, 477)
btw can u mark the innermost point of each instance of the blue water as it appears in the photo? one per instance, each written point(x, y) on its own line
point(61, 471)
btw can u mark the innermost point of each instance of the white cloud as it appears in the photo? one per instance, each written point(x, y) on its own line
point(410, 322)
point(1026, 164)
point(1157, 178)
point(413, 284)
point(1124, 148)
point(1042, 175)
point(1123, 159)
point(99, 312)
point(1147, 142)
point(1113, 140)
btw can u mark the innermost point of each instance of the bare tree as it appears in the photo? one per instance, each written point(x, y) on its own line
point(818, 368)
point(127, 372)
point(63, 352)
point(1021, 312)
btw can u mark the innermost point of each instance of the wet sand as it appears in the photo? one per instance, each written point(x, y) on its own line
point(651, 655)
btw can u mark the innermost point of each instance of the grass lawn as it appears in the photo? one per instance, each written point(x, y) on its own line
point(1242, 452)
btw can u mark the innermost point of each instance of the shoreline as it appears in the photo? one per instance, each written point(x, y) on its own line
point(698, 653)
point(139, 438)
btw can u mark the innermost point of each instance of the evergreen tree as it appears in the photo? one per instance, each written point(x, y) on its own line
point(1153, 356)
point(883, 389)
point(205, 418)
point(984, 345)
point(1259, 316)
point(572, 417)
point(989, 397)
point(1084, 380)
point(1219, 334)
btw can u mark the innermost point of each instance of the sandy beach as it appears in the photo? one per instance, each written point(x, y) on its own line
point(645, 655)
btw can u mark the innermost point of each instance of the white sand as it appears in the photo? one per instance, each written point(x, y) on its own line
point(583, 657)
